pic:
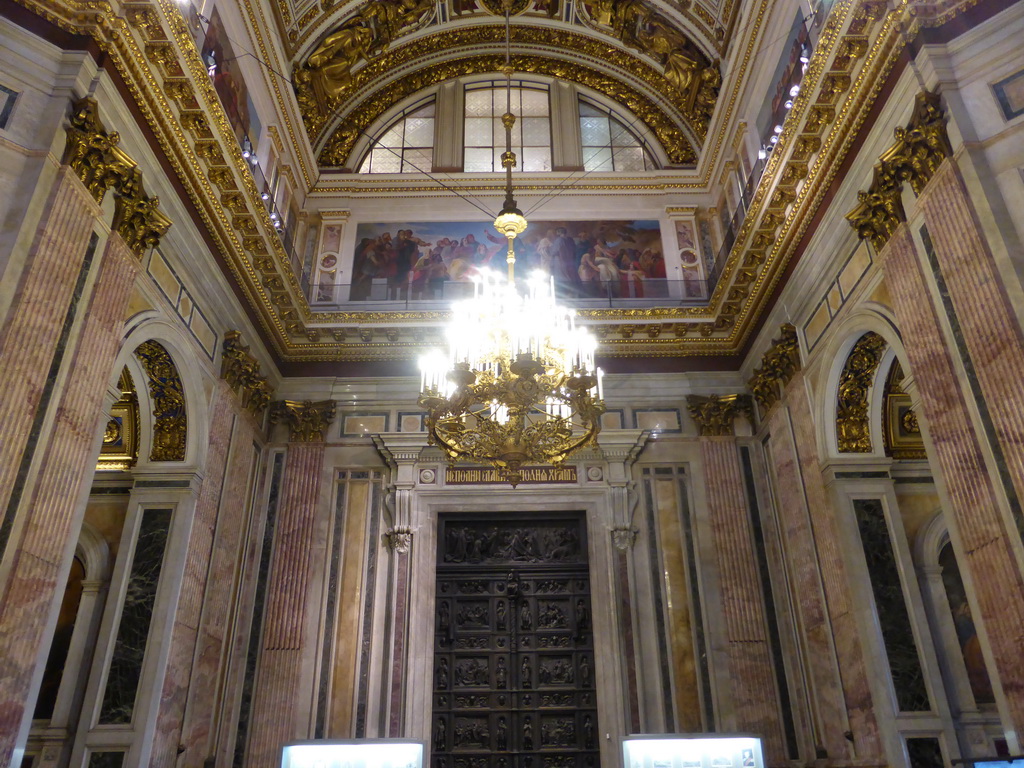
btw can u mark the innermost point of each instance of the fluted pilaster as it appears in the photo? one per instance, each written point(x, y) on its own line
point(754, 691)
point(39, 551)
point(29, 337)
point(975, 499)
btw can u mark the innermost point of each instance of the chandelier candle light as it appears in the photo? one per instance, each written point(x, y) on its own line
point(518, 384)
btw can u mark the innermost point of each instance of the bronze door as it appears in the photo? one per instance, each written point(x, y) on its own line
point(513, 646)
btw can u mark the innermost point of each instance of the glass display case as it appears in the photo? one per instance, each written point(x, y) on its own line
point(353, 753)
point(672, 750)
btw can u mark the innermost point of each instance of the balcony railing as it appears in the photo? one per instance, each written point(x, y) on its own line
point(380, 295)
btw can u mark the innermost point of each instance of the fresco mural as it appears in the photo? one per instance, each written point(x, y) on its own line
point(430, 259)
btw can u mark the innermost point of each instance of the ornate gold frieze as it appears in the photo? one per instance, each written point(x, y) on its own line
point(242, 372)
point(716, 414)
point(120, 448)
point(94, 155)
point(170, 422)
point(853, 428)
point(919, 150)
point(307, 420)
point(778, 365)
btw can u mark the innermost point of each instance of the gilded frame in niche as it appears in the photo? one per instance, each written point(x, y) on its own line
point(903, 443)
point(120, 447)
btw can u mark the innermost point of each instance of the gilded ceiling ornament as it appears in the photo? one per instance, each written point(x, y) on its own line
point(915, 156)
point(170, 422)
point(307, 420)
point(242, 373)
point(779, 364)
point(715, 414)
point(853, 429)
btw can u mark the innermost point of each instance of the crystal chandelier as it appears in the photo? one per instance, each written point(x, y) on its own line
point(518, 384)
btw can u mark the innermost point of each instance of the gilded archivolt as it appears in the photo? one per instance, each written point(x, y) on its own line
point(328, 83)
point(170, 422)
point(853, 427)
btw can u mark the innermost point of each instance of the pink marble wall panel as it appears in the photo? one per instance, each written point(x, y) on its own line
point(849, 652)
point(44, 542)
point(274, 699)
point(804, 518)
point(218, 513)
point(989, 324)
point(30, 333)
point(988, 553)
point(752, 681)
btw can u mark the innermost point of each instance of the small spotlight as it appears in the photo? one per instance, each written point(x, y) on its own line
point(788, 104)
point(805, 53)
point(777, 129)
point(762, 153)
point(265, 195)
point(774, 139)
point(794, 91)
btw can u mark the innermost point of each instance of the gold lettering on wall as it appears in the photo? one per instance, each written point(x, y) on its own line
point(531, 475)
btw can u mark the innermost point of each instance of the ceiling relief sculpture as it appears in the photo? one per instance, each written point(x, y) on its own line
point(650, 67)
point(708, 22)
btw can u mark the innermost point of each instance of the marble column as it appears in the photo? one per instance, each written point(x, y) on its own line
point(984, 543)
point(836, 668)
point(755, 697)
point(190, 690)
point(274, 718)
point(41, 548)
point(32, 329)
point(990, 327)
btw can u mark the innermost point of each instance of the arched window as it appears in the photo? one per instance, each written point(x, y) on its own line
point(407, 146)
point(608, 144)
point(485, 135)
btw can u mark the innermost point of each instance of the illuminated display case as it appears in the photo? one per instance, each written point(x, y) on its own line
point(353, 753)
point(673, 750)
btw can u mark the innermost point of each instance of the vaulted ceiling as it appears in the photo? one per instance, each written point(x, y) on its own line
point(660, 60)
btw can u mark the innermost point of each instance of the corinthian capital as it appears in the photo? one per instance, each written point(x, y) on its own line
point(715, 414)
point(307, 420)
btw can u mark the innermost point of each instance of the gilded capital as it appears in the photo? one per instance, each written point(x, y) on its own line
point(917, 153)
point(307, 420)
point(779, 364)
point(242, 373)
point(715, 414)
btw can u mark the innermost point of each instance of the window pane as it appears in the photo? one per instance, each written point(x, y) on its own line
point(594, 131)
point(419, 132)
point(478, 132)
point(535, 103)
point(427, 111)
point(392, 137)
point(629, 159)
point(385, 161)
point(417, 160)
point(621, 137)
point(478, 103)
point(586, 110)
point(597, 159)
point(365, 167)
point(537, 159)
point(499, 132)
point(536, 132)
point(478, 160)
